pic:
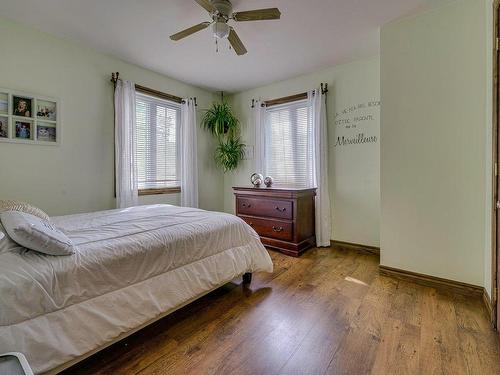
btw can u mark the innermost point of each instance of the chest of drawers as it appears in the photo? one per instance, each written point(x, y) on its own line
point(283, 217)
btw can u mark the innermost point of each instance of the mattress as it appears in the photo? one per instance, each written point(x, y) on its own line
point(132, 265)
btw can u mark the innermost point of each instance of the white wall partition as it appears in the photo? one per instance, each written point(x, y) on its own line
point(434, 129)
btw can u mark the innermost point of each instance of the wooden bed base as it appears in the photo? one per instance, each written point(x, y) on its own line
point(247, 279)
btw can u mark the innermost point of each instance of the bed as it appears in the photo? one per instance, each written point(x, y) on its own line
point(133, 266)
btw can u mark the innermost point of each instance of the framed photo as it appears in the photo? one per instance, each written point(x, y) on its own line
point(24, 129)
point(46, 110)
point(4, 103)
point(22, 106)
point(27, 118)
point(45, 132)
point(4, 127)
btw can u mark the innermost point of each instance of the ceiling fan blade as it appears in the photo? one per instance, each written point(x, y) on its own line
point(258, 15)
point(189, 31)
point(236, 43)
point(207, 5)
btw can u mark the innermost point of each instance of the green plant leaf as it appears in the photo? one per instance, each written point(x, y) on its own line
point(219, 120)
point(229, 153)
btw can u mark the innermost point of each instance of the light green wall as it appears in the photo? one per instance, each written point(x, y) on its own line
point(354, 169)
point(434, 131)
point(78, 175)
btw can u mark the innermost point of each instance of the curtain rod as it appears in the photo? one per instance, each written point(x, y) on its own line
point(146, 90)
point(291, 98)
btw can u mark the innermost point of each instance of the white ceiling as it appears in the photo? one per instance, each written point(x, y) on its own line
point(312, 34)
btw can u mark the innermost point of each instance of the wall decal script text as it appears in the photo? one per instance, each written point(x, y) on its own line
point(356, 140)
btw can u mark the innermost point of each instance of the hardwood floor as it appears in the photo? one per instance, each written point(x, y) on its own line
point(327, 312)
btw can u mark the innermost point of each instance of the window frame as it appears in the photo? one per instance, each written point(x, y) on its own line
point(294, 101)
point(171, 100)
point(167, 190)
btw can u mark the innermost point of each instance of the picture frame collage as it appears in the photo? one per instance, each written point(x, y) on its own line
point(28, 118)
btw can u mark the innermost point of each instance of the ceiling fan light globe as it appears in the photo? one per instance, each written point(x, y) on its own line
point(220, 30)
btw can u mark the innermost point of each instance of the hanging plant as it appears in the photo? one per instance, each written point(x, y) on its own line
point(219, 120)
point(229, 153)
point(225, 127)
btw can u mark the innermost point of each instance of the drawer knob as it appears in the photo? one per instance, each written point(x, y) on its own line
point(246, 205)
point(277, 229)
point(280, 209)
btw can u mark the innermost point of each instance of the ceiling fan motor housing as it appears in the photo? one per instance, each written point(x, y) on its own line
point(224, 7)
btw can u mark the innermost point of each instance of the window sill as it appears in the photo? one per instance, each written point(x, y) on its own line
point(171, 190)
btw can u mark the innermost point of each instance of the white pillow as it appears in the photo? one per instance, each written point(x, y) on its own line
point(9, 205)
point(36, 234)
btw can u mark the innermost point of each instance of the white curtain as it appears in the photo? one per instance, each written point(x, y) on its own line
point(258, 114)
point(189, 155)
point(317, 107)
point(125, 145)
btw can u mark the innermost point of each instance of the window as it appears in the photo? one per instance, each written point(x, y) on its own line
point(288, 144)
point(157, 126)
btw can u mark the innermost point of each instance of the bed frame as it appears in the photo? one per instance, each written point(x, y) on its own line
point(247, 279)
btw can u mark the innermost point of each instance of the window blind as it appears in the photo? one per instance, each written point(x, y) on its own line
point(288, 144)
point(157, 126)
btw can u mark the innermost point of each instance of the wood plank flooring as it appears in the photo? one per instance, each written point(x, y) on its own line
point(327, 312)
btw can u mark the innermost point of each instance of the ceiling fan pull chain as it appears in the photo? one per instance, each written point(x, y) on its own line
point(216, 45)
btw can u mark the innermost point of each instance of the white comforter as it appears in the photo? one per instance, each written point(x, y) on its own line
point(131, 266)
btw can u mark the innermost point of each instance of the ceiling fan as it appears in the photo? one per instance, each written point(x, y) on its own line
point(221, 12)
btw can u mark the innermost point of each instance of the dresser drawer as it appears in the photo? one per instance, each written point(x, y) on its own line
point(278, 229)
point(281, 209)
